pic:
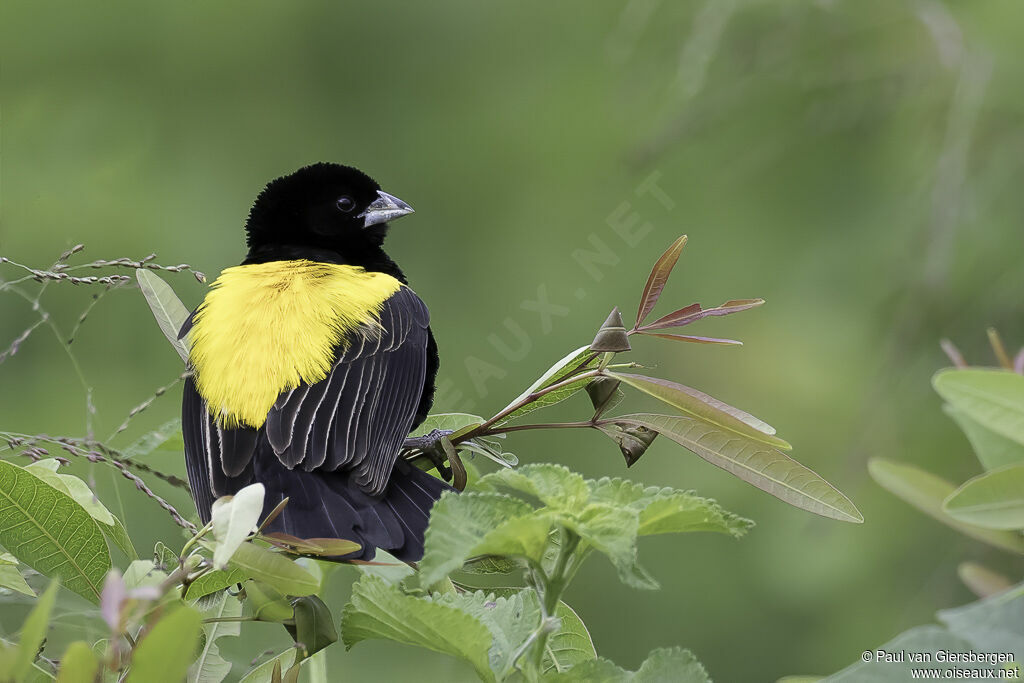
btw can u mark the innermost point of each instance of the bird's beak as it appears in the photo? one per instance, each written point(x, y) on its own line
point(383, 209)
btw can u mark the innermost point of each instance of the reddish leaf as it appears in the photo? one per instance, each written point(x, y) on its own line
point(693, 313)
point(658, 278)
point(690, 338)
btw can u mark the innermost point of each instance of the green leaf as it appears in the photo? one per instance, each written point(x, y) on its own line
point(10, 576)
point(162, 437)
point(33, 632)
point(214, 581)
point(981, 580)
point(78, 665)
point(581, 358)
point(993, 450)
point(268, 603)
point(447, 421)
point(470, 524)
point(556, 486)
point(612, 531)
point(314, 625)
point(657, 279)
point(274, 569)
point(994, 500)
point(50, 532)
point(165, 653)
point(992, 398)
point(143, 573)
point(766, 468)
point(926, 492)
point(165, 557)
point(570, 645)
point(210, 667)
point(264, 672)
point(380, 610)
point(234, 518)
point(995, 624)
point(929, 639)
point(665, 510)
point(667, 664)
point(110, 525)
point(168, 310)
point(705, 408)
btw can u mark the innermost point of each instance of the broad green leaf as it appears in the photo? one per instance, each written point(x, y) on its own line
point(210, 667)
point(11, 578)
point(110, 525)
point(657, 279)
point(215, 580)
point(704, 407)
point(50, 532)
point(581, 358)
point(612, 531)
point(768, 469)
point(471, 524)
point(274, 569)
point(570, 644)
point(667, 664)
point(556, 486)
point(447, 421)
point(993, 450)
point(992, 398)
point(994, 624)
point(926, 492)
point(143, 573)
point(161, 437)
point(78, 665)
point(267, 603)
point(982, 581)
point(33, 632)
point(264, 672)
point(165, 653)
point(380, 610)
point(314, 625)
point(666, 510)
point(387, 567)
point(994, 500)
point(234, 518)
point(168, 310)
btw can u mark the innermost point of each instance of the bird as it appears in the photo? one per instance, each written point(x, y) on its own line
point(310, 363)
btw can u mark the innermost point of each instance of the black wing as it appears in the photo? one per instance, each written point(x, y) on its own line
point(354, 420)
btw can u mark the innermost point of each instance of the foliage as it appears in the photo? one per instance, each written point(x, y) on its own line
point(988, 405)
point(532, 527)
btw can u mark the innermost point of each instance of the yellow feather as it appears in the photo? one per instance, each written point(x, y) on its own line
point(265, 328)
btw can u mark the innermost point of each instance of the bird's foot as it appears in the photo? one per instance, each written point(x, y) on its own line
point(431, 446)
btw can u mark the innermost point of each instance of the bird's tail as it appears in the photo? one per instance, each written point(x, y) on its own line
point(329, 505)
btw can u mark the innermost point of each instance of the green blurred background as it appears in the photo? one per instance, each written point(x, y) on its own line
point(857, 163)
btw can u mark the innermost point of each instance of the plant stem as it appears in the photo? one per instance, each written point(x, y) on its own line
point(549, 425)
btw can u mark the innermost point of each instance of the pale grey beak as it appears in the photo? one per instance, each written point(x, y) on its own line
point(383, 209)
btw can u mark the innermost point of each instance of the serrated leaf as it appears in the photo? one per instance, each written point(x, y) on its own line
point(665, 510)
point(612, 531)
point(210, 666)
point(274, 569)
point(33, 632)
point(576, 360)
point(164, 654)
point(234, 518)
point(380, 610)
point(471, 524)
point(993, 398)
point(556, 486)
point(47, 530)
point(168, 432)
point(657, 279)
point(926, 492)
point(666, 664)
point(168, 310)
point(994, 500)
point(78, 665)
point(704, 407)
point(770, 470)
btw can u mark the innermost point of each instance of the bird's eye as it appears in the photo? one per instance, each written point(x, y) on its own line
point(345, 204)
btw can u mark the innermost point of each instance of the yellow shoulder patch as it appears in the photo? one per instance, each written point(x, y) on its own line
point(265, 328)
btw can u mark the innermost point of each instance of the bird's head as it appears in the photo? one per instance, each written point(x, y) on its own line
point(323, 206)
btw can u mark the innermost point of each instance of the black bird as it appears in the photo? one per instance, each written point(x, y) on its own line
point(311, 363)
